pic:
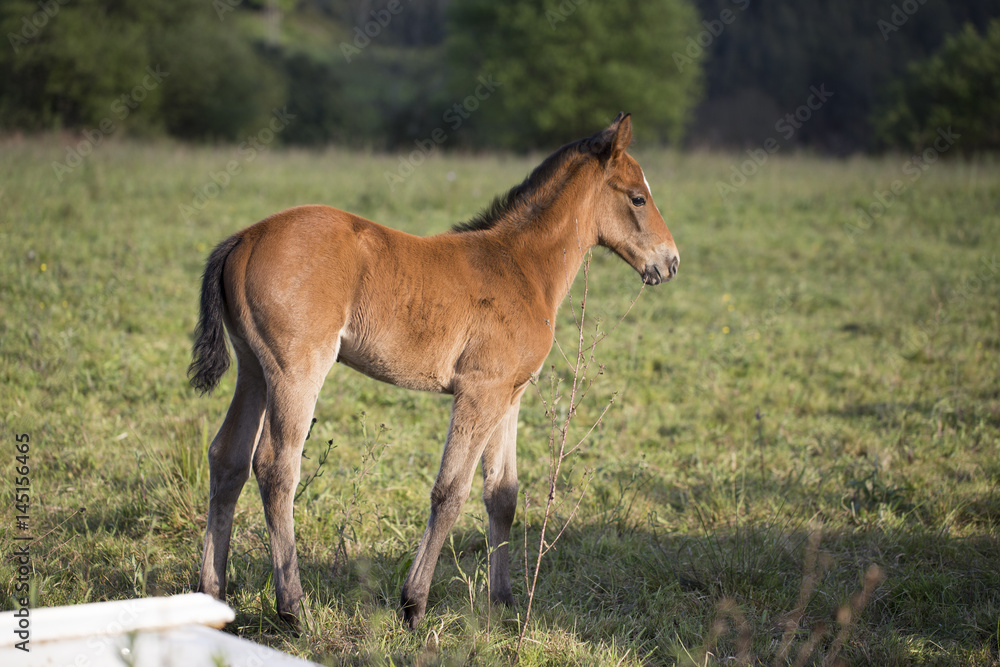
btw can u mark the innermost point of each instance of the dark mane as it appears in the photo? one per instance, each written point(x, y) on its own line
point(532, 195)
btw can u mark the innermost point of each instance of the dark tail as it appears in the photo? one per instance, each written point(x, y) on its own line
point(211, 356)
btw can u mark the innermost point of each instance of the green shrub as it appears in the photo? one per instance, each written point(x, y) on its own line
point(565, 69)
point(957, 87)
point(85, 63)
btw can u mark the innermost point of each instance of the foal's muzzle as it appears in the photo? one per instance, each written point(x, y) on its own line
point(653, 274)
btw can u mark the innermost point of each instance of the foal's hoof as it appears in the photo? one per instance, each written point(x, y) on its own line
point(413, 612)
point(212, 589)
point(506, 599)
point(291, 621)
point(412, 618)
point(296, 616)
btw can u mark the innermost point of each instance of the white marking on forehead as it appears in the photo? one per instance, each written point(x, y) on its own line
point(649, 189)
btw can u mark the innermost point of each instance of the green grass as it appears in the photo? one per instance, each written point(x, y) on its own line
point(872, 364)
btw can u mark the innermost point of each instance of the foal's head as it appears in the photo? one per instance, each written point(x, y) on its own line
point(628, 221)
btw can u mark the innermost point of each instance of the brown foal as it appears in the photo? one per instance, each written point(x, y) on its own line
point(468, 313)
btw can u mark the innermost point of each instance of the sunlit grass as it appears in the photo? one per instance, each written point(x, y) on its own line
point(790, 380)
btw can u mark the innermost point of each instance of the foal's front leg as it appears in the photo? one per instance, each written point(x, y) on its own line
point(500, 497)
point(474, 417)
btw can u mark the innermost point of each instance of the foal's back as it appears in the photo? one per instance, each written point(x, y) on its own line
point(400, 308)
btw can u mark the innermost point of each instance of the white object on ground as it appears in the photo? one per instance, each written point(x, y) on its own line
point(148, 632)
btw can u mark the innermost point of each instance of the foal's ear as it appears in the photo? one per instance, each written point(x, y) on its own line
point(622, 126)
point(611, 142)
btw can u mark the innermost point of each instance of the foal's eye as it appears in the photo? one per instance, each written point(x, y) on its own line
point(638, 200)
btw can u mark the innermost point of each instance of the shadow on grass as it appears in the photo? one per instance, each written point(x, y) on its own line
point(664, 593)
point(615, 577)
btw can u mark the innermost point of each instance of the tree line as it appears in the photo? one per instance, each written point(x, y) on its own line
point(387, 74)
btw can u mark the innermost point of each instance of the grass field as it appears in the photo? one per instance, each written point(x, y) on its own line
point(811, 397)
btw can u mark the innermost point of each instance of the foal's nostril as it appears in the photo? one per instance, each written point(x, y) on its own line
point(672, 265)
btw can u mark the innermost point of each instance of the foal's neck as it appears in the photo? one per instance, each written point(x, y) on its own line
point(551, 248)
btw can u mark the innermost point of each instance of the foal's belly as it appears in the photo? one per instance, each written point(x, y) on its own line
point(401, 362)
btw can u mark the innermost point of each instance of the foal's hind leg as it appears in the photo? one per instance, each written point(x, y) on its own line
point(229, 459)
point(500, 496)
point(276, 463)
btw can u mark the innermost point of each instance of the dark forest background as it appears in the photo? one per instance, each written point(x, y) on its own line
point(384, 74)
